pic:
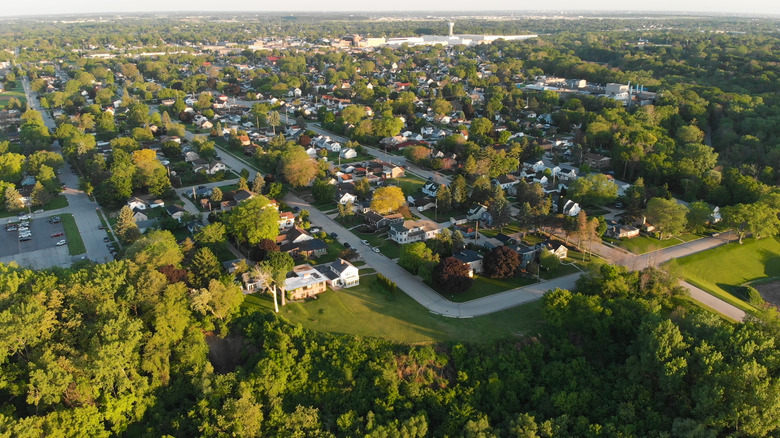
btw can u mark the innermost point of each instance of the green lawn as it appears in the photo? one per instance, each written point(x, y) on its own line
point(510, 228)
point(60, 201)
point(17, 92)
point(365, 311)
point(484, 286)
point(410, 184)
point(720, 270)
point(75, 244)
point(387, 247)
point(644, 244)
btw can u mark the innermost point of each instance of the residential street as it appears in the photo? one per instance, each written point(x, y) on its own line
point(435, 303)
point(83, 210)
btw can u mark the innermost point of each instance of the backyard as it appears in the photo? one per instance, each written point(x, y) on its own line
point(17, 92)
point(720, 270)
point(366, 311)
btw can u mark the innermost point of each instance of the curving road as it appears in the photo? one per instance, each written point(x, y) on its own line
point(437, 304)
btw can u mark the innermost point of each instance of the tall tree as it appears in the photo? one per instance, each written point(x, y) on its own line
point(452, 276)
point(667, 216)
point(204, 268)
point(387, 199)
point(126, 228)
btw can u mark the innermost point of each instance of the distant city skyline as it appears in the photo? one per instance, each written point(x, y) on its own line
point(50, 7)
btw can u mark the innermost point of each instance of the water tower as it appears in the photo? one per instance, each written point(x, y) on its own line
point(451, 24)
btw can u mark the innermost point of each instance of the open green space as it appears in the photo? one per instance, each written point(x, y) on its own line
point(644, 244)
point(365, 310)
point(484, 286)
point(75, 244)
point(410, 184)
point(510, 228)
point(60, 201)
point(720, 270)
point(16, 92)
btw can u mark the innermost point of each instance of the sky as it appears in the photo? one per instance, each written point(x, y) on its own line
point(39, 7)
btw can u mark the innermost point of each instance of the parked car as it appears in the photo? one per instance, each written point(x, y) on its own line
point(40, 210)
point(11, 228)
point(347, 245)
point(25, 217)
point(334, 235)
point(375, 249)
point(25, 238)
point(61, 242)
point(101, 227)
point(365, 242)
point(57, 234)
point(106, 239)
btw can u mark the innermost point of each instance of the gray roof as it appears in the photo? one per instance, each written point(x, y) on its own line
point(468, 256)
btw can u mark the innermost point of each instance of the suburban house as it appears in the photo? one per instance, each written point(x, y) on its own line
point(157, 203)
point(210, 168)
point(567, 173)
point(596, 161)
point(471, 258)
point(622, 231)
point(505, 181)
point(348, 153)
point(422, 203)
point(175, 211)
point(191, 156)
point(527, 254)
point(571, 208)
point(376, 220)
point(242, 195)
point(304, 282)
point(480, 213)
point(148, 224)
point(136, 204)
point(139, 215)
point(413, 231)
point(340, 273)
point(431, 188)
point(555, 247)
point(298, 242)
point(286, 220)
point(345, 197)
point(230, 266)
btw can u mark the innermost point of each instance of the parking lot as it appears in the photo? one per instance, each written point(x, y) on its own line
point(41, 231)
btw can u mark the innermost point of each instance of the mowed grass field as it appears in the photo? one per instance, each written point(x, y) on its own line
point(366, 311)
point(17, 92)
point(720, 270)
point(75, 244)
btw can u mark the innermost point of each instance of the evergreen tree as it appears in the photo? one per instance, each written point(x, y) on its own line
point(258, 184)
point(204, 268)
point(126, 228)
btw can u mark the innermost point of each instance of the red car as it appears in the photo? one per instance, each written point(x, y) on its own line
point(57, 234)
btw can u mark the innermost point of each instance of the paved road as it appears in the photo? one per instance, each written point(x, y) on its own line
point(435, 303)
point(83, 210)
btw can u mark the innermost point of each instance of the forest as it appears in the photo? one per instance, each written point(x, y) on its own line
point(123, 349)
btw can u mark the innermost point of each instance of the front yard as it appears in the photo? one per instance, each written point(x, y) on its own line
point(365, 310)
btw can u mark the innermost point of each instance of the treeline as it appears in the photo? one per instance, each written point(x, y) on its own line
point(120, 349)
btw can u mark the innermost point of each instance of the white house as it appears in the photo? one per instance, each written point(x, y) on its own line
point(348, 153)
point(136, 204)
point(413, 231)
point(431, 188)
point(571, 208)
point(340, 273)
point(471, 258)
point(346, 197)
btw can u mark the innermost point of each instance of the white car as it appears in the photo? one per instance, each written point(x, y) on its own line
point(365, 242)
point(61, 242)
point(25, 217)
point(375, 249)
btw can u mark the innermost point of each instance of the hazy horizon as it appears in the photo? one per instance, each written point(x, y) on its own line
point(79, 7)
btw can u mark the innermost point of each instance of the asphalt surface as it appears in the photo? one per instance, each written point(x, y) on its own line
point(84, 211)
